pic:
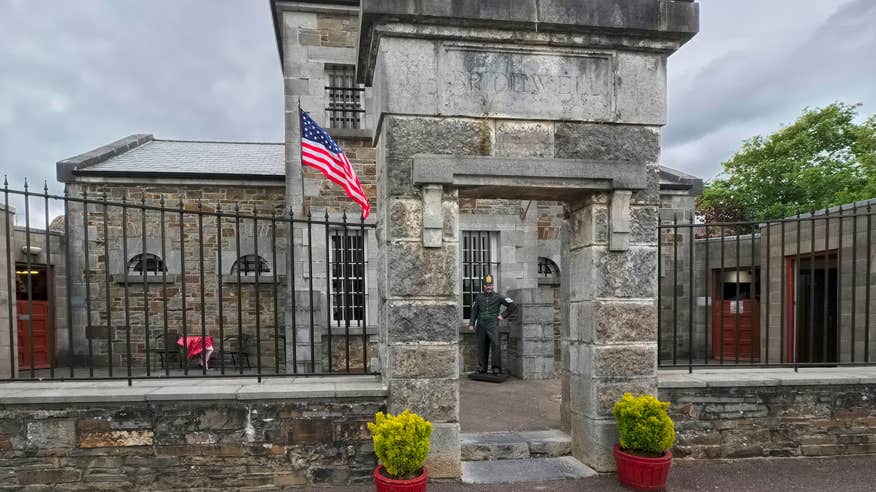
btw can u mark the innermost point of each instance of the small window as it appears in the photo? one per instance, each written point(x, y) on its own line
point(478, 259)
point(348, 276)
point(149, 263)
point(547, 268)
point(250, 264)
point(345, 97)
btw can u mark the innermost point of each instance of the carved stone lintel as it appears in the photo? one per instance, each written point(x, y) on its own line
point(433, 216)
point(619, 220)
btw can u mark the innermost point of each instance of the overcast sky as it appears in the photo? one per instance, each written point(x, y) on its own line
point(77, 75)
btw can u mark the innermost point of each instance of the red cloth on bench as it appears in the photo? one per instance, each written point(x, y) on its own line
point(194, 344)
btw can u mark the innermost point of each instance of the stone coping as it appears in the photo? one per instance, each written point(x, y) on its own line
point(723, 378)
point(354, 386)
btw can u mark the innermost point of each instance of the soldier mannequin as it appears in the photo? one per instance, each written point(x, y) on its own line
point(484, 314)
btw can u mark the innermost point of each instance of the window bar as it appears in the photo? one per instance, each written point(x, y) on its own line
point(69, 285)
point(798, 271)
point(125, 276)
point(708, 284)
point(258, 272)
point(824, 318)
point(203, 306)
point(165, 356)
point(675, 289)
point(766, 288)
point(310, 281)
point(660, 286)
point(29, 278)
point(344, 266)
point(364, 297)
point(328, 293)
point(108, 285)
point(839, 288)
point(50, 285)
point(690, 298)
point(721, 301)
point(85, 241)
point(274, 291)
point(869, 281)
point(182, 275)
point(290, 245)
point(10, 272)
point(144, 271)
point(782, 307)
point(811, 319)
point(239, 344)
point(738, 300)
point(219, 293)
point(854, 276)
point(752, 292)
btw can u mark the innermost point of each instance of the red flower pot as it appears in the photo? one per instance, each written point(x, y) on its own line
point(386, 484)
point(640, 472)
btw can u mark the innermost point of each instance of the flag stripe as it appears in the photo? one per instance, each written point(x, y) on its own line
point(319, 151)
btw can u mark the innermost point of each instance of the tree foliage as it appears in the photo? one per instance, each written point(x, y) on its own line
point(821, 160)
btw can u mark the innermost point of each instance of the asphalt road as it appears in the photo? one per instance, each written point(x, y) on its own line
point(851, 473)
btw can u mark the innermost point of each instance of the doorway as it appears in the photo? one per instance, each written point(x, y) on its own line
point(34, 325)
point(814, 308)
point(736, 315)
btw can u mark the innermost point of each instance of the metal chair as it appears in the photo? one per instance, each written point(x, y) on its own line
point(237, 348)
point(166, 348)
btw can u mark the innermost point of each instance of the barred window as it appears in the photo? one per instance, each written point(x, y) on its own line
point(345, 107)
point(250, 264)
point(348, 276)
point(478, 259)
point(148, 263)
point(547, 268)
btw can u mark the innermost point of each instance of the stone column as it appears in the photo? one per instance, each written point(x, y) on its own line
point(609, 342)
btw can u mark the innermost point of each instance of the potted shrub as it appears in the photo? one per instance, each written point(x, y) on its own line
point(401, 443)
point(646, 433)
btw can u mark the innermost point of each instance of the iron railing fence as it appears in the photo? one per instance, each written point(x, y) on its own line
point(790, 292)
point(131, 288)
point(345, 107)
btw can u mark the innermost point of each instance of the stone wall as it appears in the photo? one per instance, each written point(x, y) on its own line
point(742, 421)
point(209, 444)
point(8, 354)
point(532, 335)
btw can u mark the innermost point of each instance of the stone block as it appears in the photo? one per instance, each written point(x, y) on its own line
point(580, 267)
point(593, 441)
point(436, 400)
point(580, 321)
point(422, 272)
point(310, 431)
point(523, 139)
point(595, 398)
point(51, 433)
point(424, 361)
point(641, 94)
point(403, 138)
point(536, 314)
point(631, 273)
point(623, 321)
point(643, 225)
point(624, 361)
point(421, 321)
point(607, 142)
point(444, 451)
point(113, 439)
point(405, 218)
point(589, 225)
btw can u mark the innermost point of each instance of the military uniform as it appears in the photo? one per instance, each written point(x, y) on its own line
point(484, 315)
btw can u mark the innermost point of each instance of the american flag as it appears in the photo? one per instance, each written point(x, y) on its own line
point(319, 151)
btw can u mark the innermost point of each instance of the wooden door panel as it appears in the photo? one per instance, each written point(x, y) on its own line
point(40, 331)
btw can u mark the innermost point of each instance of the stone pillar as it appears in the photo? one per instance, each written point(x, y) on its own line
point(609, 341)
point(532, 334)
point(7, 297)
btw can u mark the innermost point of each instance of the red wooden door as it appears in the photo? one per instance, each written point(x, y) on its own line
point(40, 341)
point(736, 328)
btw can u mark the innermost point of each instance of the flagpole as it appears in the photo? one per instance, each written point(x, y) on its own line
point(301, 159)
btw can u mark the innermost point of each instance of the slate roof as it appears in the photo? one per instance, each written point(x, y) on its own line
point(145, 157)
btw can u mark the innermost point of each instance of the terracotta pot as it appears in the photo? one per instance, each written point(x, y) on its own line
point(640, 472)
point(386, 484)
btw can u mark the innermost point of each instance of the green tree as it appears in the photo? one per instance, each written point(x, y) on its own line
point(821, 160)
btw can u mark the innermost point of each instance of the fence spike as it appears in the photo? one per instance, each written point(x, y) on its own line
point(45, 187)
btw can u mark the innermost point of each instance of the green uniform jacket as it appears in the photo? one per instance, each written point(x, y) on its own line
point(485, 309)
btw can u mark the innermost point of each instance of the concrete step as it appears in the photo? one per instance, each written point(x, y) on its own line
point(524, 470)
point(486, 446)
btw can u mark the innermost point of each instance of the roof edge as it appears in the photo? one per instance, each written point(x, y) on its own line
point(675, 179)
point(66, 168)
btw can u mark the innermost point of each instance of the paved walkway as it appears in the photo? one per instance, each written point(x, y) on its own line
point(514, 405)
point(851, 474)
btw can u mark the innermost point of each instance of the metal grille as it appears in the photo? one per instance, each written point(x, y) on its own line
point(345, 108)
point(478, 260)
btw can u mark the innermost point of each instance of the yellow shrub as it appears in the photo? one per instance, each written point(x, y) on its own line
point(401, 442)
point(644, 424)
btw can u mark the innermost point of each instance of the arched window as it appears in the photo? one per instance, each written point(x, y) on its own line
point(149, 264)
point(250, 264)
point(547, 268)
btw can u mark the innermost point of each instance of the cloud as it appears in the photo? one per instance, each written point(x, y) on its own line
point(760, 82)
